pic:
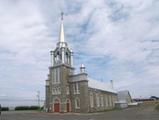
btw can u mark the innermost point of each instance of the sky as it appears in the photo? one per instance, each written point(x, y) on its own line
point(115, 40)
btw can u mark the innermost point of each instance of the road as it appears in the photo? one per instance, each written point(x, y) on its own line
point(143, 112)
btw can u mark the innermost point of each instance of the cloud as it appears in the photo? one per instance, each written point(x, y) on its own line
point(123, 31)
point(116, 38)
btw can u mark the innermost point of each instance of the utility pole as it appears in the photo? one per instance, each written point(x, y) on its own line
point(38, 96)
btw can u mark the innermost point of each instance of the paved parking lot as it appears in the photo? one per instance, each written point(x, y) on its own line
point(138, 113)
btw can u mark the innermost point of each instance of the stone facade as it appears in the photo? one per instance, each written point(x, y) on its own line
point(70, 92)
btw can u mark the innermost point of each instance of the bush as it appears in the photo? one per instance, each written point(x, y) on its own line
point(157, 107)
point(27, 108)
point(34, 107)
point(42, 108)
point(22, 108)
point(5, 108)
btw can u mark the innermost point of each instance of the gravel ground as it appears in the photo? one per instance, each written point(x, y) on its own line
point(142, 112)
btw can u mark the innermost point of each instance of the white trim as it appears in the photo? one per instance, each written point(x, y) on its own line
point(91, 100)
point(67, 90)
point(77, 101)
point(56, 90)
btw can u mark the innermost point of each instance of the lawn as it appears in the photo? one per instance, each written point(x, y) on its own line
point(157, 107)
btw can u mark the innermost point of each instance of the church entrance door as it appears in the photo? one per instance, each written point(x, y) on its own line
point(57, 106)
point(68, 106)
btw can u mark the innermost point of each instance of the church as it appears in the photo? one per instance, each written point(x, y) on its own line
point(67, 91)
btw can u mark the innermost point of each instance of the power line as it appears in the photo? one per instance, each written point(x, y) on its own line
point(38, 97)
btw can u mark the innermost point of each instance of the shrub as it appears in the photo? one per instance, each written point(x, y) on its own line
point(27, 108)
point(22, 108)
point(34, 107)
point(5, 108)
point(42, 108)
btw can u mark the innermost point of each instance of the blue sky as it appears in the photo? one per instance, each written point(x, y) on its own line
point(116, 40)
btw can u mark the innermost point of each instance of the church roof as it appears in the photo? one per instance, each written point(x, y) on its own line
point(123, 95)
point(100, 85)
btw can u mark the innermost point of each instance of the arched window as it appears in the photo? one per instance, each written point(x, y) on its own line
point(77, 103)
point(97, 100)
point(102, 101)
point(67, 90)
point(91, 100)
point(56, 76)
point(56, 90)
point(109, 101)
point(113, 100)
point(67, 101)
point(66, 57)
point(59, 90)
point(53, 91)
point(58, 57)
point(106, 101)
point(76, 88)
point(56, 101)
point(68, 105)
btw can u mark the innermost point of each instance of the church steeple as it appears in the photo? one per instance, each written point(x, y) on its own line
point(62, 54)
point(61, 42)
point(62, 37)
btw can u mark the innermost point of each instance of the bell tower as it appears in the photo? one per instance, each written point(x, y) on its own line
point(59, 71)
point(62, 54)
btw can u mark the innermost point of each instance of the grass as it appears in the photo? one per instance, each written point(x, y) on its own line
point(157, 107)
point(107, 110)
point(115, 109)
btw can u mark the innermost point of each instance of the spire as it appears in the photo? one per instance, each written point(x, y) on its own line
point(62, 38)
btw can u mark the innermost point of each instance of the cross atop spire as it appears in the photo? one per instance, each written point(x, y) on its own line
point(62, 15)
